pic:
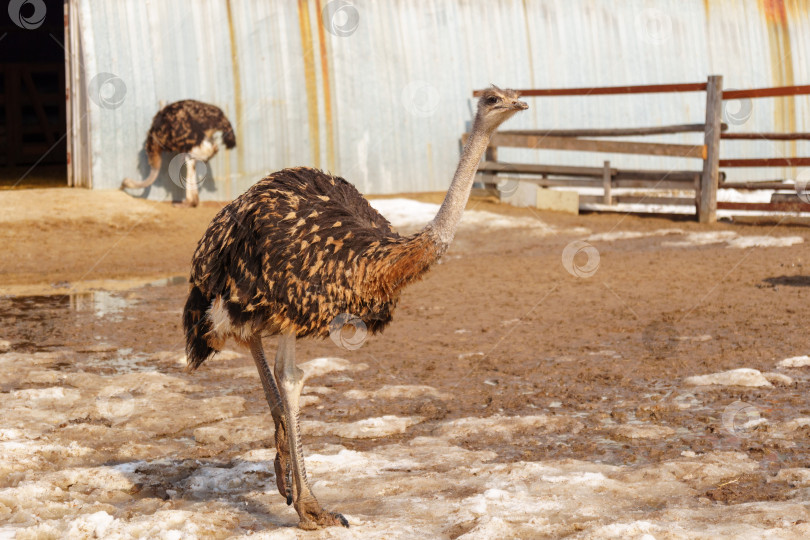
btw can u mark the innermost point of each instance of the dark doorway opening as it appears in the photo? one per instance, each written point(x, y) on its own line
point(33, 150)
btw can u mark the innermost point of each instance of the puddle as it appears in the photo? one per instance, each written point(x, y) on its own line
point(99, 304)
point(50, 320)
point(169, 281)
point(64, 288)
point(107, 302)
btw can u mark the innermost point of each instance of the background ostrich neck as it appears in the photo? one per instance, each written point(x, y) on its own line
point(446, 221)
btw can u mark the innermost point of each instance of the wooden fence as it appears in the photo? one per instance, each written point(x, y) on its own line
point(704, 181)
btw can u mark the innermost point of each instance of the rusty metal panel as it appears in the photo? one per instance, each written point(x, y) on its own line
point(380, 91)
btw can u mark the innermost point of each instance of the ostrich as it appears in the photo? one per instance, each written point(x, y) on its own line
point(296, 253)
point(185, 127)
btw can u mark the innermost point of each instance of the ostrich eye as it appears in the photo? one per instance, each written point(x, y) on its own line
point(492, 100)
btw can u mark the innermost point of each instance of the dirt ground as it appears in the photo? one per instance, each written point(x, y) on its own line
point(510, 398)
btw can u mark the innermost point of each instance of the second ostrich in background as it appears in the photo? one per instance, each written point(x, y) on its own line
point(185, 127)
point(300, 253)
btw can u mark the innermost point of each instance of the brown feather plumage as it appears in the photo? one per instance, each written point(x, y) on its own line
point(295, 251)
point(182, 125)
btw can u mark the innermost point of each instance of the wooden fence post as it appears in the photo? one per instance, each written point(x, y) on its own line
point(490, 179)
point(606, 184)
point(707, 209)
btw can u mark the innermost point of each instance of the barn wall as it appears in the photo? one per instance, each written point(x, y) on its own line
point(384, 106)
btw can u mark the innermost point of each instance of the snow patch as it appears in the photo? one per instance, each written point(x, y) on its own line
point(321, 366)
point(744, 242)
point(734, 377)
point(691, 239)
point(398, 391)
point(778, 378)
point(643, 431)
point(795, 362)
point(55, 393)
point(409, 214)
point(795, 424)
point(703, 239)
point(612, 236)
point(368, 428)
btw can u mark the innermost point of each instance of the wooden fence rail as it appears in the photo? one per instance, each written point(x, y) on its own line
point(767, 136)
point(610, 132)
point(704, 182)
point(609, 90)
point(593, 145)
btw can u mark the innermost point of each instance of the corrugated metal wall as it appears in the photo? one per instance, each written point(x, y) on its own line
point(380, 93)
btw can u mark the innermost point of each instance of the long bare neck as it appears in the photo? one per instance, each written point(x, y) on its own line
point(395, 265)
point(445, 223)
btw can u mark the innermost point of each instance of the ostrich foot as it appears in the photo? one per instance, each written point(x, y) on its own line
point(313, 516)
point(186, 204)
point(282, 463)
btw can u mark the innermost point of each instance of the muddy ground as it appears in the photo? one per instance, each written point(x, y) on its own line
point(521, 392)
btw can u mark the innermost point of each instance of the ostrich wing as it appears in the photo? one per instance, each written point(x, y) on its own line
point(301, 247)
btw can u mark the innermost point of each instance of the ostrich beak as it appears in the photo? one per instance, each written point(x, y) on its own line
point(520, 105)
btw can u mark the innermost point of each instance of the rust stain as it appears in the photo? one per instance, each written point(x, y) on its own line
point(228, 178)
point(308, 52)
point(237, 90)
point(774, 10)
point(327, 95)
point(781, 61)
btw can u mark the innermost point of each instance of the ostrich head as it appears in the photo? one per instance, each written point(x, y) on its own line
point(496, 106)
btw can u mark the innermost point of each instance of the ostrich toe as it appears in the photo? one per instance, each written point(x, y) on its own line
point(313, 516)
point(284, 476)
point(282, 463)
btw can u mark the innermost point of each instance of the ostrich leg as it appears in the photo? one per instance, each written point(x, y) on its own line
point(271, 394)
point(290, 381)
point(192, 192)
